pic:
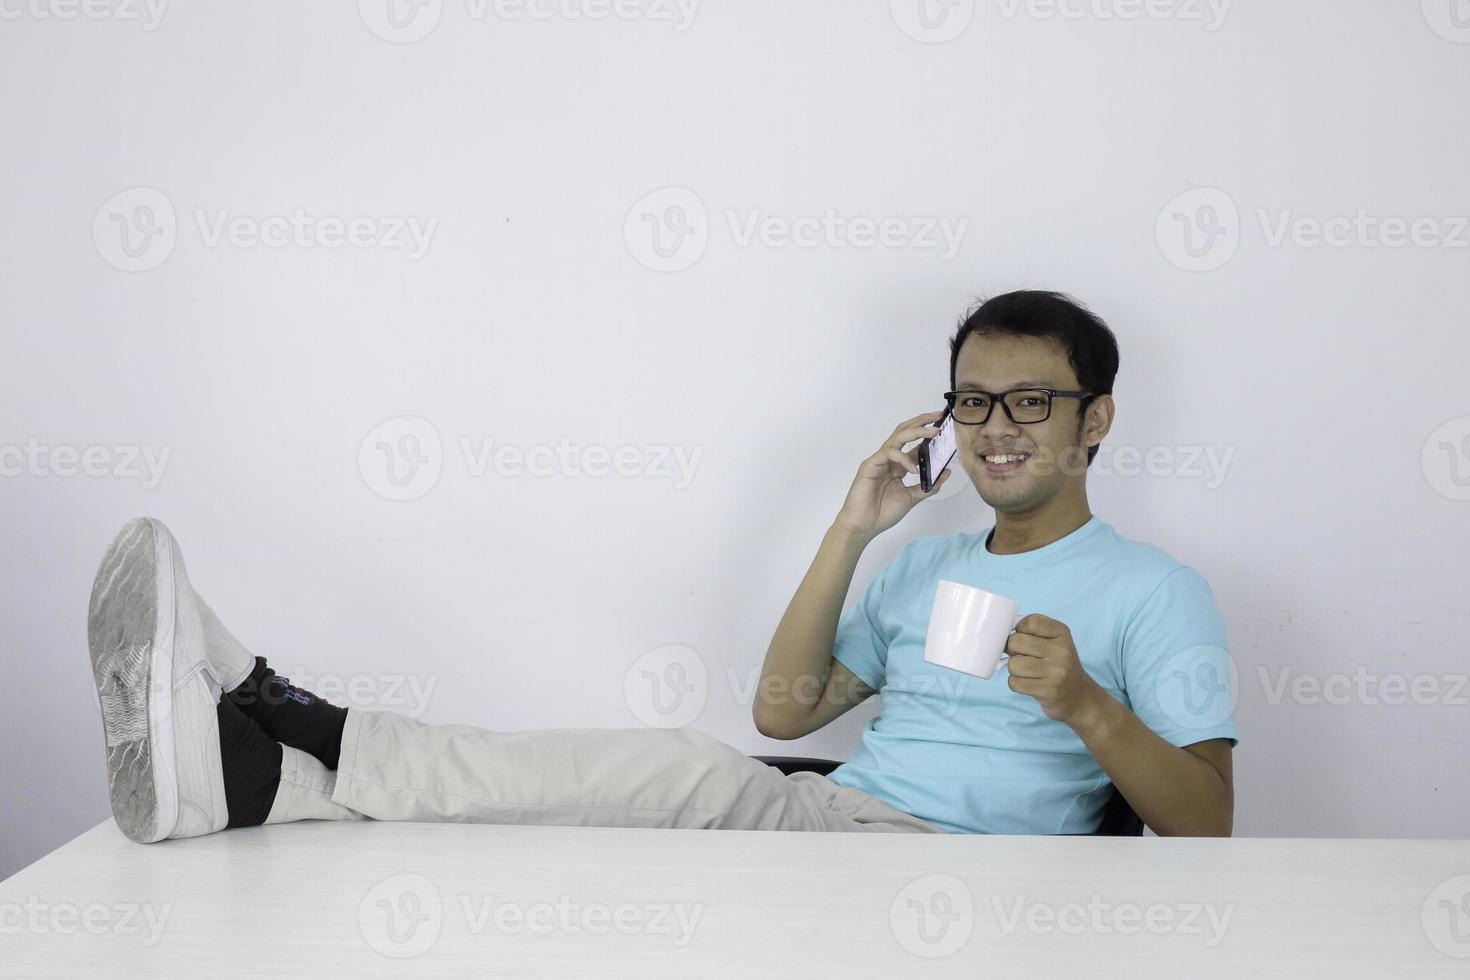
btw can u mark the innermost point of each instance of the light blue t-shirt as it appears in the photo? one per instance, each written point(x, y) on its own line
point(973, 756)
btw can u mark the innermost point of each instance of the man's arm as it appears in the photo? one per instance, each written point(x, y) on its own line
point(1178, 792)
point(802, 686)
point(1184, 792)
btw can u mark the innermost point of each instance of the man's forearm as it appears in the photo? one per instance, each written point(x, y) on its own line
point(1174, 791)
point(800, 655)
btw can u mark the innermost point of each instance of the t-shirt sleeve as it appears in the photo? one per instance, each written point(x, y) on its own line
point(861, 644)
point(1179, 678)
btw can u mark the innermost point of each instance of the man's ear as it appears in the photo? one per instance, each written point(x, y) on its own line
point(1098, 420)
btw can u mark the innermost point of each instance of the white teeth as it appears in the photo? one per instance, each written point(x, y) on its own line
point(1014, 458)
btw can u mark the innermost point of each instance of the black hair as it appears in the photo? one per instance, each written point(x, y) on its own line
point(1091, 347)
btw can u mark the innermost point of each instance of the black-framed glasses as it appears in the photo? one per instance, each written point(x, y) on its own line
point(1023, 406)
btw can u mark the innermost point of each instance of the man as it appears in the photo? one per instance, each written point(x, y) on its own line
point(1100, 691)
point(202, 736)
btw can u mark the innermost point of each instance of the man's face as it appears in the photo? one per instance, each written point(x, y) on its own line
point(1055, 449)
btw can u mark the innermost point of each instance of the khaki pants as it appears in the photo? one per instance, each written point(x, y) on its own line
point(395, 768)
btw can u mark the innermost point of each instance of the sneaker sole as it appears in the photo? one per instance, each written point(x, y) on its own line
point(130, 627)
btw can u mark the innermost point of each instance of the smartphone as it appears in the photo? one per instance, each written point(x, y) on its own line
point(935, 453)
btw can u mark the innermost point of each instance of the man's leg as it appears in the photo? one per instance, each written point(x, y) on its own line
point(305, 791)
point(389, 767)
point(396, 768)
point(180, 762)
point(289, 714)
point(152, 633)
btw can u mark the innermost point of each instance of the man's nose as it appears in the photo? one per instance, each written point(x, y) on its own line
point(998, 426)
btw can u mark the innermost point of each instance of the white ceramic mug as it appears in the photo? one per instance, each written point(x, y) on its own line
point(969, 627)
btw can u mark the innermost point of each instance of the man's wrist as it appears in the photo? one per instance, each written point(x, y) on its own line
point(847, 538)
point(1096, 716)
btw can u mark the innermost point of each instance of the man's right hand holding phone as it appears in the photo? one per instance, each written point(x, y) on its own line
point(878, 498)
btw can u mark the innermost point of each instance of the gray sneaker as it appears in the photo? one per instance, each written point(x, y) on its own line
point(157, 688)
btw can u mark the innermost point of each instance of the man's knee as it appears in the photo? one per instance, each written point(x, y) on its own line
point(703, 741)
point(712, 750)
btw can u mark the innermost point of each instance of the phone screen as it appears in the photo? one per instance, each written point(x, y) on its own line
point(936, 454)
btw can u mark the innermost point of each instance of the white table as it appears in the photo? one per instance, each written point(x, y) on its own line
point(315, 899)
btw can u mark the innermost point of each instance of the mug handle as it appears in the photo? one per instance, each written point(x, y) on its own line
point(1003, 655)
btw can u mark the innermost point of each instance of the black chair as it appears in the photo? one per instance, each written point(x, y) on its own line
point(1118, 819)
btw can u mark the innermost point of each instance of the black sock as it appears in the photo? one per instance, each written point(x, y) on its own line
point(252, 767)
point(290, 715)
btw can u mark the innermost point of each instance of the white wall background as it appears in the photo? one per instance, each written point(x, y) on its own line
point(1335, 541)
